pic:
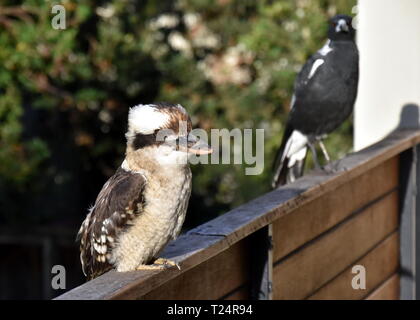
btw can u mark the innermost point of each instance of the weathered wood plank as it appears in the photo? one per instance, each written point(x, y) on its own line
point(380, 263)
point(219, 234)
point(310, 220)
point(308, 269)
point(189, 250)
point(389, 290)
point(240, 294)
point(242, 221)
point(212, 279)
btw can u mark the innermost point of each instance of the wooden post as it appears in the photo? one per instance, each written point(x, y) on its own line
point(48, 252)
point(410, 225)
point(262, 264)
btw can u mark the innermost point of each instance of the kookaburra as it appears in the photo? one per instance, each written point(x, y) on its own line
point(142, 206)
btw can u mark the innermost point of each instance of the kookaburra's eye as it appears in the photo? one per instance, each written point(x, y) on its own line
point(161, 136)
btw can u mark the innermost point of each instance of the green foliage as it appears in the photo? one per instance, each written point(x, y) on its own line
point(65, 93)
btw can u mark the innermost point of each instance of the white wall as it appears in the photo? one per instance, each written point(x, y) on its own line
point(389, 44)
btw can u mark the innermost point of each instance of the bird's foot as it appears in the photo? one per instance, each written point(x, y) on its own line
point(166, 263)
point(332, 167)
point(159, 264)
point(150, 267)
point(328, 169)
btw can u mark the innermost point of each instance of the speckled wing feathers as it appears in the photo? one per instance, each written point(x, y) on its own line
point(119, 202)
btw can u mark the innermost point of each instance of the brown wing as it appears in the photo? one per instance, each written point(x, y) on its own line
point(120, 201)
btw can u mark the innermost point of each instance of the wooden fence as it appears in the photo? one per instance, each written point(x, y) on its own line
point(300, 241)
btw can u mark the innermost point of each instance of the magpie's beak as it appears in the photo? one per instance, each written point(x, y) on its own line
point(342, 26)
point(191, 144)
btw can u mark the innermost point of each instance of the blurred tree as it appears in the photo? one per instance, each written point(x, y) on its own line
point(65, 93)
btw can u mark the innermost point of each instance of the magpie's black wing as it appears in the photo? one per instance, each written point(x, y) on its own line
point(326, 89)
point(283, 173)
point(307, 73)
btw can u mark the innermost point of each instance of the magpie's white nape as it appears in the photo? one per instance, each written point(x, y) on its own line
point(324, 95)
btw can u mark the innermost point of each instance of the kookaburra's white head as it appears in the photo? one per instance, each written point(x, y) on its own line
point(160, 133)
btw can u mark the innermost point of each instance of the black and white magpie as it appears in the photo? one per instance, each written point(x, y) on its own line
point(324, 95)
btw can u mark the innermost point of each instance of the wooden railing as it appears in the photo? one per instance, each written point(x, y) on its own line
point(300, 241)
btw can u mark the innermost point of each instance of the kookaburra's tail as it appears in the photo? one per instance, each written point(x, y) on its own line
point(290, 159)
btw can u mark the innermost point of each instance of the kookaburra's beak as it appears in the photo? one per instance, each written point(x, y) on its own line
point(191, 144)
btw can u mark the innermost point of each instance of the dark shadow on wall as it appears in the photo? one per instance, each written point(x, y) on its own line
point(409, 117)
